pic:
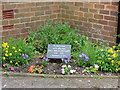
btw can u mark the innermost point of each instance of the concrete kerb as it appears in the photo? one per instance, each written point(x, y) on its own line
point(57, 76)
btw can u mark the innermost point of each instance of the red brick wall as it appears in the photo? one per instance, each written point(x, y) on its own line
point(97, 20)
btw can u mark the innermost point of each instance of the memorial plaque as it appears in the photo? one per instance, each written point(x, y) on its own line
point(58, 51)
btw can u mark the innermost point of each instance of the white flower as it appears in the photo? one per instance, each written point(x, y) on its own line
point(72, 71)
point(63, 71)
point(69, 66)
point(96, 66)
point(63, 66)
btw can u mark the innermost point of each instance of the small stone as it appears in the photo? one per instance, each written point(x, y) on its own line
point(88, 81)
point(80, 80)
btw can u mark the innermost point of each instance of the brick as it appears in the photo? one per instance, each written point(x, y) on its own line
point(7, 27)
point(74, 17)
point(54, 7)
point(104, 12)
point(48, 12)
point(110, 7)
point(29, 24)
point(99, 6)
point(65, 16)
point(77, 22)
point(113, 23)
point(5, 33)
point(87, 24)
point(84, 9)
point(109, 18)
point(103, 22)
point(93, 10)
point(19, 15)
point(30, 4)
point(80, 4)
point(115, 3)
point(64, 7)
point(40, 3)
point(98, 16)
point(56, 11)
point(5, 22)
point(93, 20)
point(73, 8)
point(53, 16)
point(35, 9)
point(34, 18)
point(25, 20)
point(39, 13)
point(100, 36)
point(20, 5)
point(31, 14)
point(8, 6)
point(19, 25)
point(78, 13)
point(89, 5)
point(98, 27)
point(83, 19)
point(88, 15)
point(109, 28)
point(109, 38)
point(45, 8)
point(17, 31)
point(24, 30)
point(22, 10)
point(113, 13)
point(71, 12)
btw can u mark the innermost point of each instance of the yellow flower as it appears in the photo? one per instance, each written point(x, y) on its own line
point(13, 47)
point(15, 51)
point(113, 46)
point(119, 45)
point(118, 51)
point(6, 51)
point(119, 62)
point(114, 55)
point(110, 50)
point(116, 69)
point(109, 58)
point(95, 68)
point(6, 48)
point(4, 45)
point(3, 58)
point(6, 55)
point(112, 64)
point(108, 55)
point(112, 61)
point(10, 54)
point(10, 61)
point(16, 63)
point(19, 49)
point(101, 50)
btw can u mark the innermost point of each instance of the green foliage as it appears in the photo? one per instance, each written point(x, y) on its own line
point(59, 33)
point(16, 52)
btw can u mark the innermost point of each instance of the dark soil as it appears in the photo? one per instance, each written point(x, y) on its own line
point(54, 67)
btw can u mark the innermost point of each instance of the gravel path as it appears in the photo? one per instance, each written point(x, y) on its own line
point(38, 82)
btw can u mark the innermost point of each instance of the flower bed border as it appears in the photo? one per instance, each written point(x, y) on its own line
point(58, 76)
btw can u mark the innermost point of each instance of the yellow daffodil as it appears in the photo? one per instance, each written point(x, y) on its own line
point(3, 58)
point(119, 45)
point(114, 55)
point(116, 69)
point(101, 50)
point(113, 46)
point(10, 54)
point(118, 51)
point(19, 49)
point(6, 48)
point(13, 47)
point(16, 63)
point(112, 61)
point(110, 50)
point(95, 68)
point(6, 55)
point(119, 62)
point(109, 58)
point(15, 51)
point(108, 55)
point(112, 64)
point(10, 61)
point(6, 51)
point(4, 45)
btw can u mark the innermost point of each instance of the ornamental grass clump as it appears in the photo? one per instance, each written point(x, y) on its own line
point(16, 52)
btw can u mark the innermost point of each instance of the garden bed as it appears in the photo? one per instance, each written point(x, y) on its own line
point(54, 68)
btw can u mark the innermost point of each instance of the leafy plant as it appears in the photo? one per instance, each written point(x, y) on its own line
point(16, 52)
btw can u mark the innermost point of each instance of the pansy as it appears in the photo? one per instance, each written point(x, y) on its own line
point(45, 59)
point(24, 56)
point(5, 64)
point(65, 59)
point(12, 69)
point(84, 57)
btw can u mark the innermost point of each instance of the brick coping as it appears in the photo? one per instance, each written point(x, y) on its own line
point(58, 76)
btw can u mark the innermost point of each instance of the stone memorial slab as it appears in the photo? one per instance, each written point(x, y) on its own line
point(58, 51)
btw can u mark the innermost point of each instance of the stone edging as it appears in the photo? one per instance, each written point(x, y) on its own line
point(57, 76)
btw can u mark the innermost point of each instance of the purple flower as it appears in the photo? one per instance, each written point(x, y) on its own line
point(5, 64)
point(12, 69)
point(65, 59)
point(86, 58)
point(45, 59)
point(24, 56)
